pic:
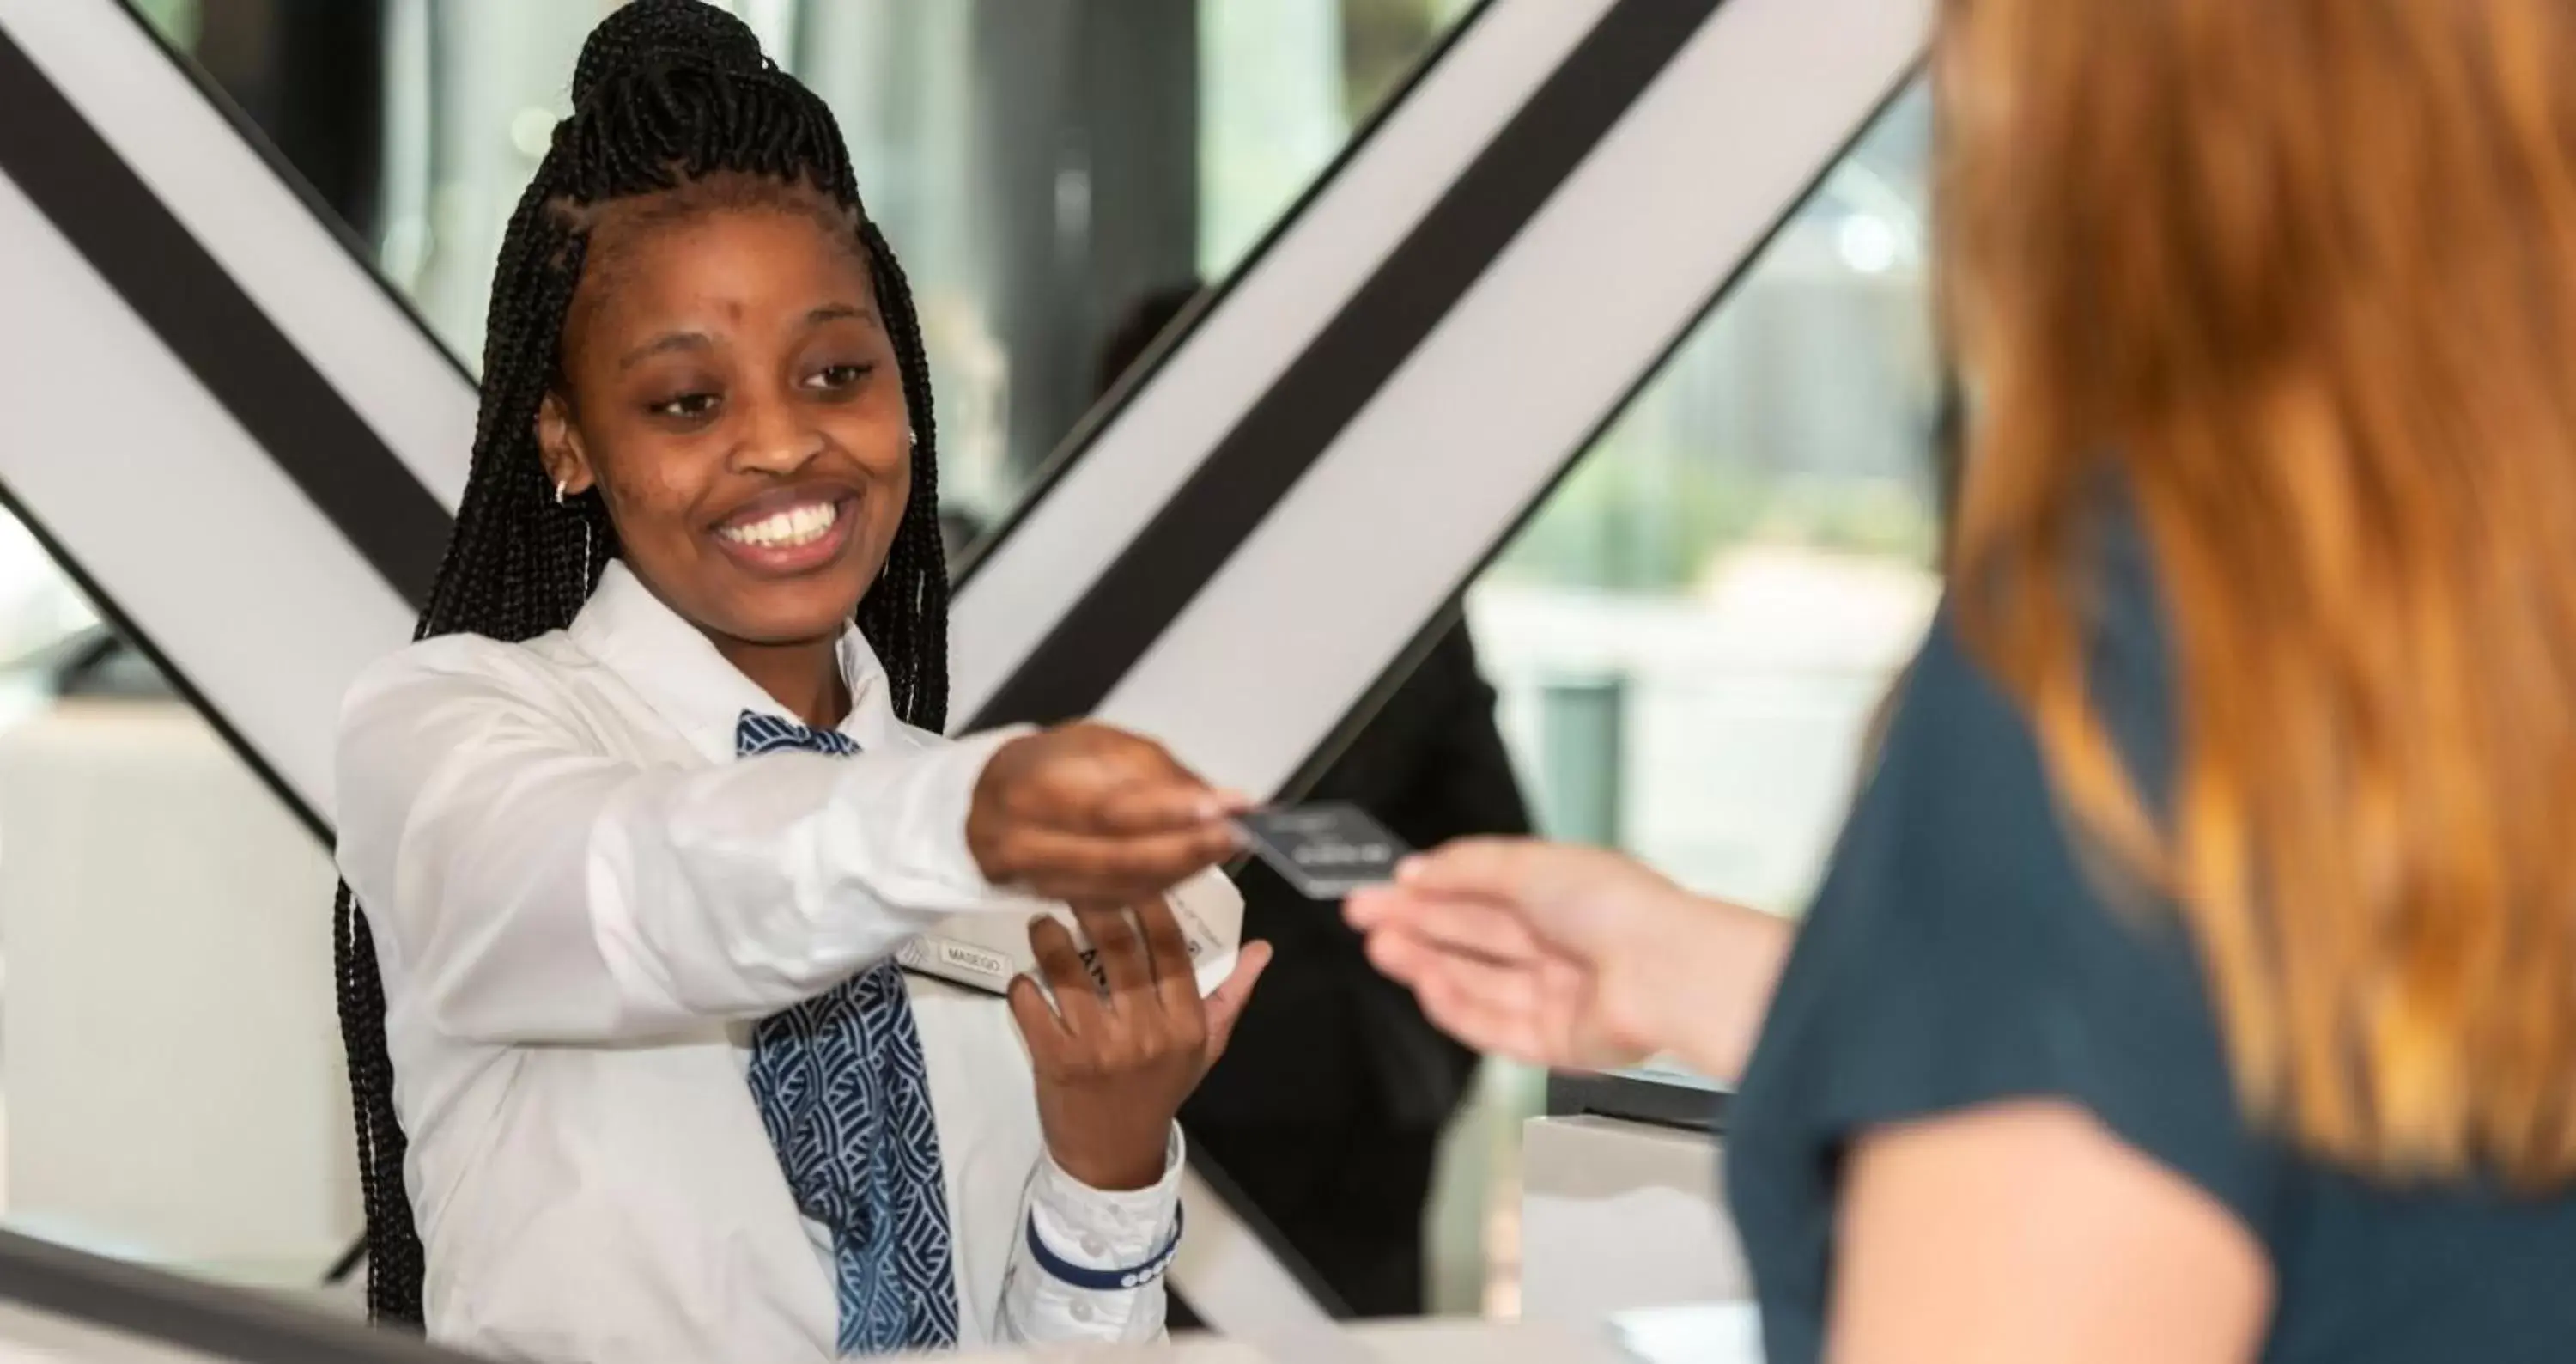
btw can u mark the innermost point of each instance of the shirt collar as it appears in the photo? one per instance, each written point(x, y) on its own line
point(679, 673)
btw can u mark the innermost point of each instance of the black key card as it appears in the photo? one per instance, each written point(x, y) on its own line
point(1325, 851)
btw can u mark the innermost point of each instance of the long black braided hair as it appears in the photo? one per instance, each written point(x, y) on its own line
point(666, 94)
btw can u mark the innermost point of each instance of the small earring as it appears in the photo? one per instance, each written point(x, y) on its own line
point(561, 487)
point(911, 437)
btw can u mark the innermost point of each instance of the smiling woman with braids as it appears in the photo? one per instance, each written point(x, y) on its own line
point(631, 835)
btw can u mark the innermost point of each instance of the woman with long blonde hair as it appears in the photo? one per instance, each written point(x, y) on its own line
point(2196, 979)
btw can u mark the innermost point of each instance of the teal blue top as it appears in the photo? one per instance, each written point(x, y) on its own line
point(1957, 955)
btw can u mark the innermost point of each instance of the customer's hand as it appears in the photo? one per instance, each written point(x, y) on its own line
point(1085, 812)
point(1115, 1061)
point(1567, 956)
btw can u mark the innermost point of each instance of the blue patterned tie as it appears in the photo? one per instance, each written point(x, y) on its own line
point(846, 1098)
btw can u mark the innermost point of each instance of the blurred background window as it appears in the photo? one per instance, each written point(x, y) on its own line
point(1041, 166)
point(150, 1108)
point(1692, 633)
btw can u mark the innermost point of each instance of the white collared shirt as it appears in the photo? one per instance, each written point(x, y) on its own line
point(582, 903)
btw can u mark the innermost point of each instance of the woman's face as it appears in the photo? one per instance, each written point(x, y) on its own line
point(730, 391)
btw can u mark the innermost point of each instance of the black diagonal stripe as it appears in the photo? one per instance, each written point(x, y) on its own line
point(1073, 669)
point(1438, 623)
point(185, 296)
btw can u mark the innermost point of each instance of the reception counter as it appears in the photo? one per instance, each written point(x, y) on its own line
point(1708, 1334)
point(1621, 1207)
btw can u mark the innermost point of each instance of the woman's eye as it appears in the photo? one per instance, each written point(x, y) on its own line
point(687, 406)
point(835, 377)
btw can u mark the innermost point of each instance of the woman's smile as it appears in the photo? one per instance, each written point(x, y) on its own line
point(790, 532)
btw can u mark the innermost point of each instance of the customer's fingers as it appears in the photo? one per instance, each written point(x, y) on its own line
point(1421, 962)
point(1487, 868)
point(1479, 1007)
point(1494, 988)
point(1482, 927)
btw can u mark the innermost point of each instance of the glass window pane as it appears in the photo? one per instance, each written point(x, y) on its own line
point(1691, 636)
point(1058, 175)
point(1282, 84)
point(171, 1088)
point(1693, 633)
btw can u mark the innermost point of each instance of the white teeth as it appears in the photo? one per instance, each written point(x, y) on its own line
point(787, 529)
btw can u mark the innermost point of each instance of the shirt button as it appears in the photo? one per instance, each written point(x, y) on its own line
point(1094, 1247)
point(1082, 1311)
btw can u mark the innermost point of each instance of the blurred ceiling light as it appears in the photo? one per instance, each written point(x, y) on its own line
point(532, 131)
point(1868, 243)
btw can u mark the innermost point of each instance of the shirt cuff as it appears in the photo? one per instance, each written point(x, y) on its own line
point(1104, 1229)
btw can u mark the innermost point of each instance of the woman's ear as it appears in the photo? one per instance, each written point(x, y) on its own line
point(559, 445)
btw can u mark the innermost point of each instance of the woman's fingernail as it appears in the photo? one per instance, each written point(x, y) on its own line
point(1409, 870)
